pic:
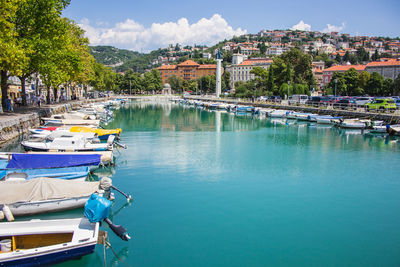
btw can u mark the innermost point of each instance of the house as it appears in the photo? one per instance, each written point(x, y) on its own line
point(242, 73)
point(328, 73)
point(388, 68)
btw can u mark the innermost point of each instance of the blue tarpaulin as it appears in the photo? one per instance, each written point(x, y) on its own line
point(60, 173)
point(36, 161)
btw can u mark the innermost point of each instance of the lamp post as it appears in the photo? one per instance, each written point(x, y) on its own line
point(335, 87)
point(288, 89)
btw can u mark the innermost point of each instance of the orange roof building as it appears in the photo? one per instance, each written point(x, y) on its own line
point(328, 73)
point(388, 68)
point(188, 70)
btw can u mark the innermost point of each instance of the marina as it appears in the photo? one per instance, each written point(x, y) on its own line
point(243, 188)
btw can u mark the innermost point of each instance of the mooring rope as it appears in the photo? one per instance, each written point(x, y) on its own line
point(115, 254)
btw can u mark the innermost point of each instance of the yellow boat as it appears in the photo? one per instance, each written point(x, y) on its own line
point(103, 134)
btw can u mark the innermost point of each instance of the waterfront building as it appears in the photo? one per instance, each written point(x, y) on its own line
point(188, 70)
point(389, 68)
point(241, 72)
point(328, 73)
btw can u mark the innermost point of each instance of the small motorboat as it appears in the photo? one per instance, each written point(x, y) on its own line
point(43, 195)
point(103, 134)
point(68, 144)
point(44, 161)
point(278, 113)
point(79, 173)
point(46, 242)
point(355, 124)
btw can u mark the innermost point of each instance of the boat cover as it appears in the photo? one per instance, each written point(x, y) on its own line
point(60, 173)
point(42, 161)
point(44, 189)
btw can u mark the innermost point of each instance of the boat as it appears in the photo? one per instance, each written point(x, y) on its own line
point(68, 143)
point(278, 113)
point(354, 124)
point(45, 242)
point(43, 195)
point(43, 161)
point(103, 134)
point(106, 157)
point(79, 173)
point(70, 122)
point(393, 129)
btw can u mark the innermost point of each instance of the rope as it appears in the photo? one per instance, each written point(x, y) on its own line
point(115, 254)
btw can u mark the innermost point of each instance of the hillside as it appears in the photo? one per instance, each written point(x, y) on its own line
point(111, 56)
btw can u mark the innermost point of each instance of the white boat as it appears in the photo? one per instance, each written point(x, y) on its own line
point(46, 242)
point(355, 124)
point(278, 113)
point(64, 133)
point(393, 129)
point(378, 129)
point(43, 195)
point(68, 144)
point(70, 122)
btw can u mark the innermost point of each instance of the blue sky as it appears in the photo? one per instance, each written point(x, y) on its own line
point(146, 25)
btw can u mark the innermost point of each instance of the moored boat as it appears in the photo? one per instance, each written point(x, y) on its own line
point(46, 242)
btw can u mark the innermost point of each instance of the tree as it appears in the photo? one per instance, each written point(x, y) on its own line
point(262, 47)
point(12, 53)
point(363, 79)
point(375, 56)
point(396, 85)
point(375, 84)
point(388, 87)
point(351, 78)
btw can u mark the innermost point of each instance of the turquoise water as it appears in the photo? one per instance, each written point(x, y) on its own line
point(212, 189)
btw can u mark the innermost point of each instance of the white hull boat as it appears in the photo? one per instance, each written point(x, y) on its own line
point(43, 195)
point(46, 242)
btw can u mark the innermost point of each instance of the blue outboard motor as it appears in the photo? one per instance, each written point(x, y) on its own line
point(97, 209)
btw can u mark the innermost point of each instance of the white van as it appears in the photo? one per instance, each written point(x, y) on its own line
point(298, 99)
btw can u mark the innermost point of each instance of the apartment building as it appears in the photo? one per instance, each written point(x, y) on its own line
point(188, 70)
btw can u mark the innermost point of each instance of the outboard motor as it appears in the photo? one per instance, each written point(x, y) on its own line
point(97, 209)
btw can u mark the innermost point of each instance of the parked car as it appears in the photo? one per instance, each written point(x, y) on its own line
point(362, 100)
point(381, 104)
point(274, 98)
point(398, 103)
point(262, 98)
point(298, 99)
point(320, 100)
point(345, 103)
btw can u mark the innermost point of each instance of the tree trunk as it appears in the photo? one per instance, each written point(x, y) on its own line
point(48, 95)
point(55, 93)
point(23, 91)
point(4, 88)
point(37, 85)
point(86, 94)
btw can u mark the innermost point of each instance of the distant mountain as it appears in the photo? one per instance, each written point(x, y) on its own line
point(111, 56)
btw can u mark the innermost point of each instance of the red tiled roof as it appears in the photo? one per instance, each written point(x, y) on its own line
point(250, 62)
point(392, 62)
point(189, 63)
point(345, 68)
point(208, 66)
point(167, 67)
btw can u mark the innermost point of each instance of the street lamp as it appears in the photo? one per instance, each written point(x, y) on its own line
point(288, 89)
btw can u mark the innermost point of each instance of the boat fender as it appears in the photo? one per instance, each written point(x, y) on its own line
point(105, 183)
point(8, 214)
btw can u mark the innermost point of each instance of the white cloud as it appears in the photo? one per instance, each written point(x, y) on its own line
point(132, 35)
point(301, 26)
point(333, 28)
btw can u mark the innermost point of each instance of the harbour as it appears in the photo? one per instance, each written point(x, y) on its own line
point(243, 188)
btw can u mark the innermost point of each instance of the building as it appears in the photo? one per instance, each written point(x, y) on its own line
point(238, 59)
point(241, 72)
point(276, 51)
point(328, 73)
point(389, 68)
point(188, 70)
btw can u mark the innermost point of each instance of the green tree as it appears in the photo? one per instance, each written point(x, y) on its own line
point(396, 85)
point(12, 53)
point(351, 78)
point(375, 84)
point(363, 79)
point(388, 87)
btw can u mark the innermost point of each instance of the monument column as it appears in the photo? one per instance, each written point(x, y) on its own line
point(218, 73)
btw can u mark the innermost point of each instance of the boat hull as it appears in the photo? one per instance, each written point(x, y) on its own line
point(44, 259)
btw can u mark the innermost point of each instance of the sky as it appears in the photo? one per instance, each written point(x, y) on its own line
point(151, 24)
